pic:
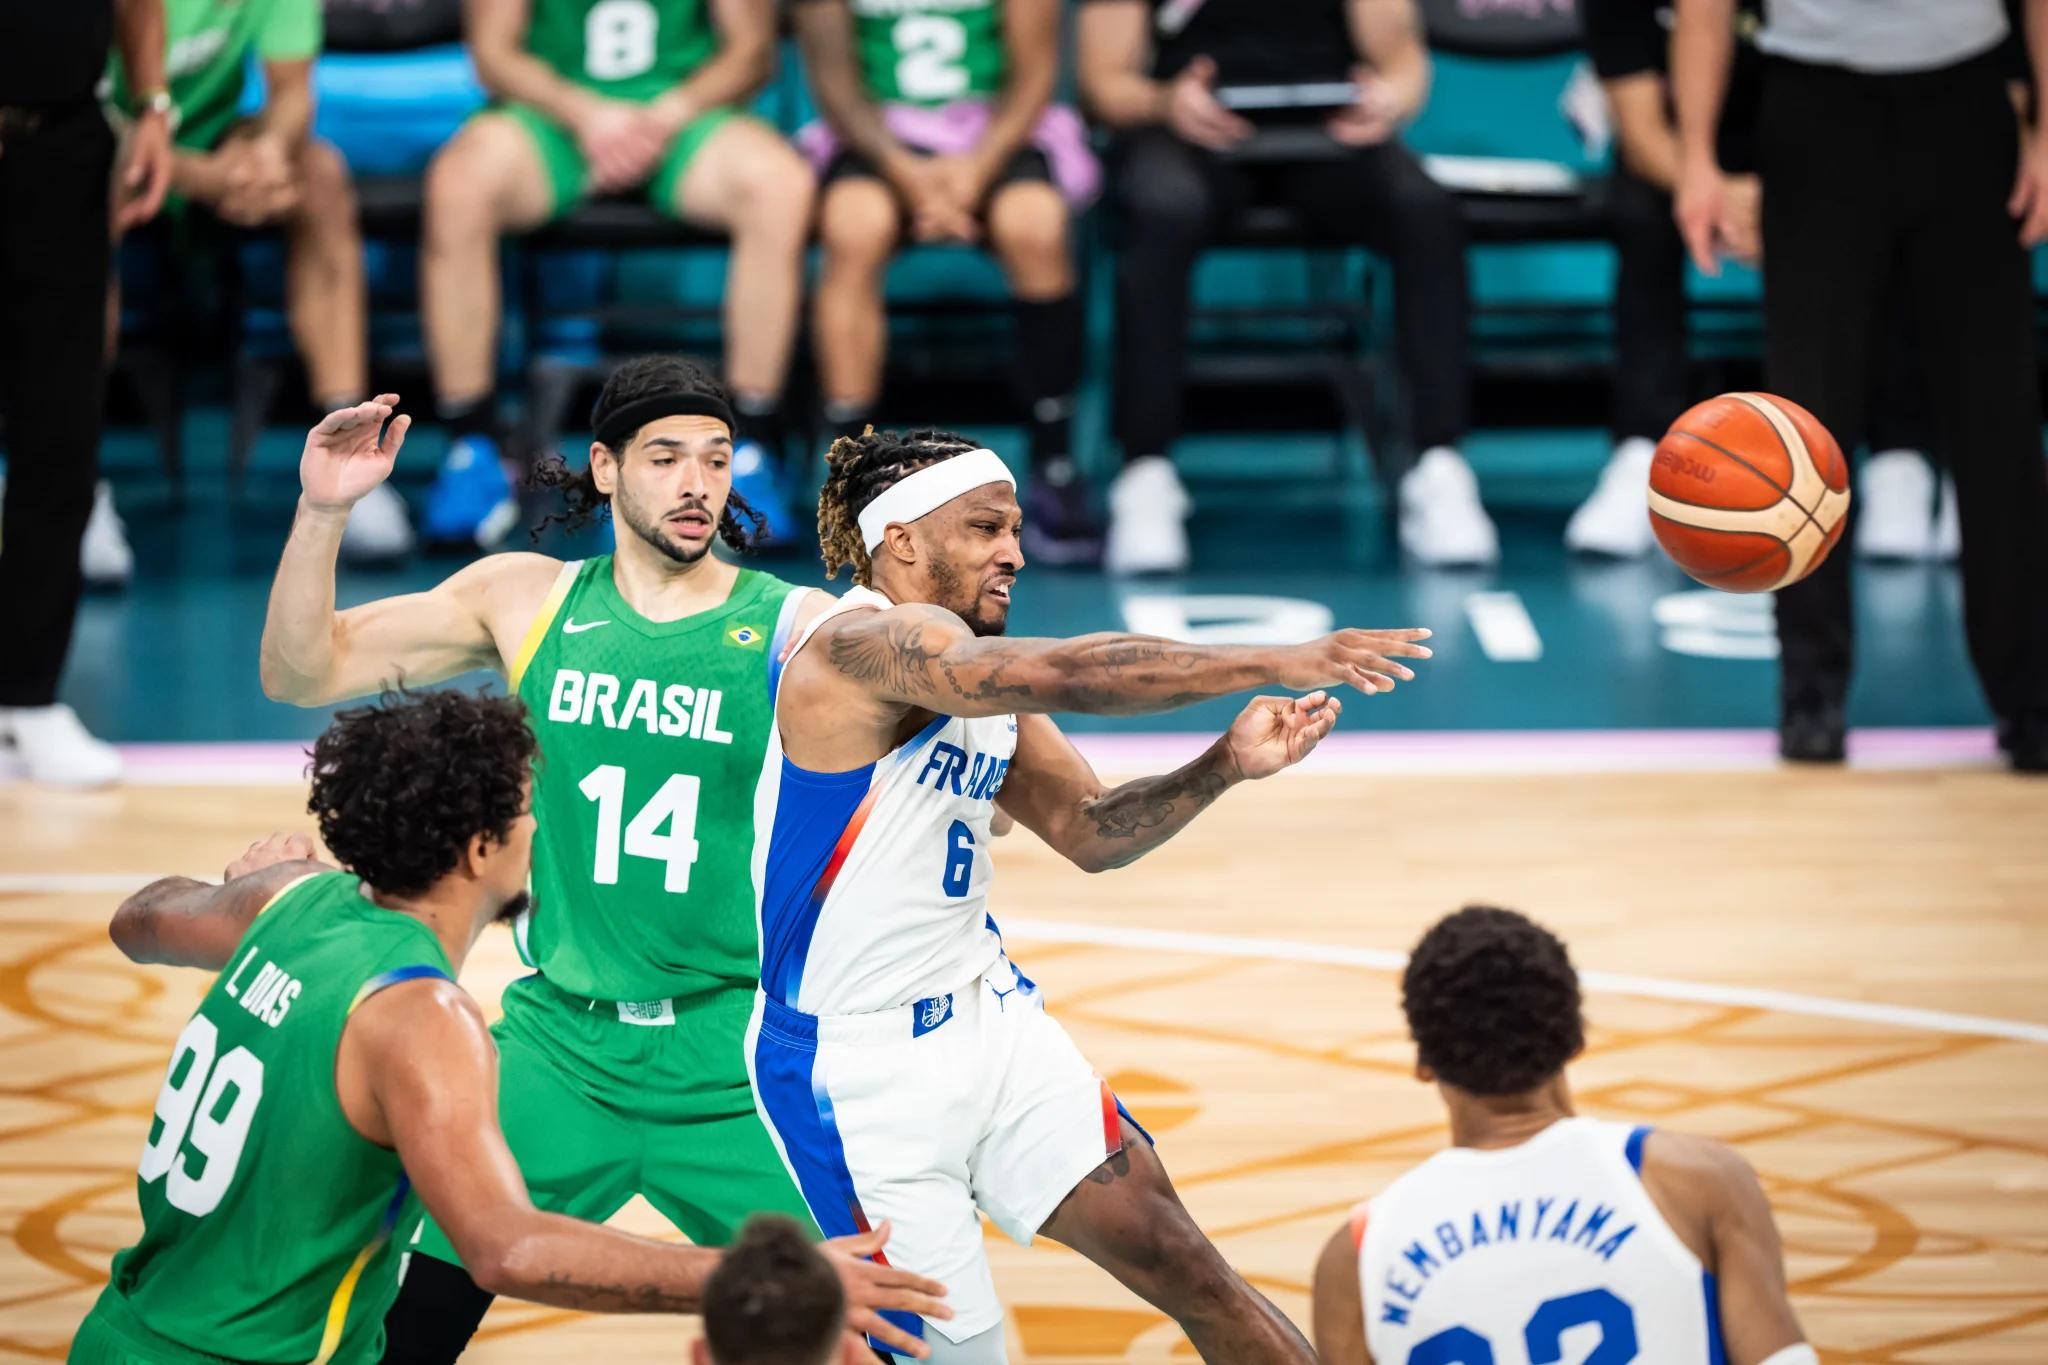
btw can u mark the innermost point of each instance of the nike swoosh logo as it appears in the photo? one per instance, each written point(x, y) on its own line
point(573, 626)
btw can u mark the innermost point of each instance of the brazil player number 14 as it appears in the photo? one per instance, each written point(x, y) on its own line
point(664, 830)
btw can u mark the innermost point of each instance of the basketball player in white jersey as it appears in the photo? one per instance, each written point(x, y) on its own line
point(1539, 1236)
point(906, 1068)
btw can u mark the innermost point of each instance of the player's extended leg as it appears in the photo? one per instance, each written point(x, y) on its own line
point(490, 179)
point(748, 182)
point(1127, 1219)
point(324, 293)
point(859, 223)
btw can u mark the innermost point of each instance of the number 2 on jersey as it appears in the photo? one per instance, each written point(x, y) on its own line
point(665, 830)
point(1544, 1336)
point(186, 1109)
point(928, 52)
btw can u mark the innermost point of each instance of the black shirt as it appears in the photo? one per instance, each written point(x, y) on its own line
point(1252, 42)
point(53, 51)
point(1633, 37)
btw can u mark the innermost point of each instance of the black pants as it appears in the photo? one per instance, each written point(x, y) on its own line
point(1175, 198)
point(1650, 376)
point(53, 300)
point(1884, 193)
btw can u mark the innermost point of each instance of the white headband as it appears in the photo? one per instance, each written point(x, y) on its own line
point(929, 489)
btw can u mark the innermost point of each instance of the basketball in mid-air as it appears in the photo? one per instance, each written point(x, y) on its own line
point(1748, 493)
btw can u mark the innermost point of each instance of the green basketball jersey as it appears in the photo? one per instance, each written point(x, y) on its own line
point(652, 736)
point(626, 49)
point(930, 51)
point(266, 1217)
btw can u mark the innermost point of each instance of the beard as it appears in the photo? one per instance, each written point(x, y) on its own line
point(653, 530)
point(966, 602)
point(513, 909)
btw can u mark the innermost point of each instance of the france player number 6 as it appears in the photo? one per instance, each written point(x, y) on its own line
point(189, 1108)
point(665, 830)
point(1544, 1336)
point(959, 873)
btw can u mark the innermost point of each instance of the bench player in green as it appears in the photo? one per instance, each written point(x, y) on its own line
point(601, 97)
point(647, 675)
point(334, 1064)
point(939, 125)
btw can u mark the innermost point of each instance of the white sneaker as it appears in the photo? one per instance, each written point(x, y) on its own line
point(1442, 521)
point(55, 748)
point(1615, 519)
point(1948, 525)
point(378, 528)
point(103, 554)
point(1896, 516)
point(1148, 510)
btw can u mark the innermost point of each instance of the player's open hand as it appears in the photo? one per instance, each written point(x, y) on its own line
point(351, 452)
point(872, 1288)
point(1368, 660)
point(269, 852)
point(1272, 733)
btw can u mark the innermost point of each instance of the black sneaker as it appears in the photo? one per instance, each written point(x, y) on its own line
point(1060, 525)
point(1812, 733)
point(2024, 739)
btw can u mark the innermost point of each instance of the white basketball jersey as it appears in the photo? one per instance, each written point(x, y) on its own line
point(873, 884)
point(1551, 1251)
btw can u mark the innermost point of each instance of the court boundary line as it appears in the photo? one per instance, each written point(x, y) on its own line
point(1426, 753)
point(1325, 955)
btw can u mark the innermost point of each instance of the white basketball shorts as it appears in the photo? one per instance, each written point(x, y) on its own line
point(921, 1114)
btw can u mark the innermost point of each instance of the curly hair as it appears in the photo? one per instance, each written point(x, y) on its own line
point(860, 469)
point(1492, 1001)
point(401, 787)
point(647, 376)
point(773, 1300)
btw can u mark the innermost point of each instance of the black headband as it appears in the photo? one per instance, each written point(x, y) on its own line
point(619, 426)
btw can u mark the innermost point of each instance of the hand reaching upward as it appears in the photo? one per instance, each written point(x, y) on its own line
point(351, 452)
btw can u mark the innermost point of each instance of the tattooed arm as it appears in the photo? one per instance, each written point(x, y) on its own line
point(1052, 789)
point(927, 657)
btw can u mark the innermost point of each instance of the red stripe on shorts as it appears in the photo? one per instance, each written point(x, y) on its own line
point(1112, 1129)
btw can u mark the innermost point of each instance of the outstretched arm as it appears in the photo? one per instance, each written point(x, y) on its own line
point(417, 1072)
point(179, 922)
point(1052, 790)
point(926, 656)
point(312, 654)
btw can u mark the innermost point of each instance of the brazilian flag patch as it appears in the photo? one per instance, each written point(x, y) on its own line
point(746, 637)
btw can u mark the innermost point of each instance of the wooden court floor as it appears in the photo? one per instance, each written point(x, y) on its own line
point(1239, 989)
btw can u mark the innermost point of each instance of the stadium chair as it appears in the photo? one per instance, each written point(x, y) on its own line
point(391, 85)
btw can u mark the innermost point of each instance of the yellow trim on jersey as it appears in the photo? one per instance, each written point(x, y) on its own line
point(285, 890)
point(550, 606)
point(337, 1307)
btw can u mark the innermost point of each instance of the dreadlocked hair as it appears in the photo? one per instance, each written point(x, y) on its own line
point(647, 376)
point(859, 470)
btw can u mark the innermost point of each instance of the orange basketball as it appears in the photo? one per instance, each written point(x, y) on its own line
point(1748, 492)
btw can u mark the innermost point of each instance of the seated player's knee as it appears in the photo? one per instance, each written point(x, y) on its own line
point(772, 195)
point(1027, 226)
point(858, 223)
point(326, 190)
point(1163, 197)
point(462, 182)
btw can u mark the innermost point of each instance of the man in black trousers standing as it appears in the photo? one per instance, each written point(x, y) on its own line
point(1887, 143)
point(57, 201)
